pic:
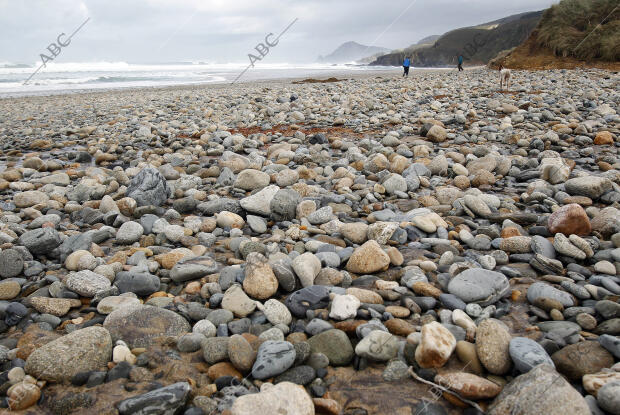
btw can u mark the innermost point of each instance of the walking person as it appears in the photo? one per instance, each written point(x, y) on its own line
point(460, 63)
point(406, 65)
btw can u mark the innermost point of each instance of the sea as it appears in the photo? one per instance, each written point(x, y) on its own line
point(59, 78)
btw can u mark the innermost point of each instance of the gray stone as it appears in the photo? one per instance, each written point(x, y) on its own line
point(40, 241)
point(220, 205)
point(543, 290)
point(527, 354)
point(542, 390)
point(321, 216)
point(193, 268)
point(549, 326)
point(129, 232)
point(608, 397)
point(79, 351)
point(273, 358)
point(300, 375)
point(220, 316)
point(477, 285)
point(257, 224)
point(378, 345)
point(284, 204)
point(11, 263)
point(394, 183)
point(141, 325)
point(543, 247)
point(309, 298)
point(189, 343)
point(165, 401)
point(148, 187)
point(611, 343)
point(138, 281)
point(590, 186)
point(285, 275)
point(334, 344)
point(260, 202)
point(396, 370)
point(87, 283)
point(215, 349)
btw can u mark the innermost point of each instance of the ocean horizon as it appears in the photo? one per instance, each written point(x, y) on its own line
point(59, 78)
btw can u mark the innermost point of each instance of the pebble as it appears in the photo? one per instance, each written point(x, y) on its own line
point(377, 345)
point(273, 358)
point(608, 397)
point(285, 397)
point(11, 263)
point(167, 399)
point(492, 345)
point(368, 258)
point(436, 346)
point(579, 359)
point(479, 286)
point(344, 307)
point(527, 354)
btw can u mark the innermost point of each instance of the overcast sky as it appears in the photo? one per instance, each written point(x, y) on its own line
point(221, 31)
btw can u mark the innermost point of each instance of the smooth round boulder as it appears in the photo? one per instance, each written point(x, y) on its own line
point(79, 351)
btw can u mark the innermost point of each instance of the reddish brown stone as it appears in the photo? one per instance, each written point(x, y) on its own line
point(331, 240)
point(569, 219)
point(296, 337)
point(468, 385)
point(326, 406)
point(223, 369)
point(348, 326)
point(426, 289)
point(510, 231)
point(399, 327)
point(603, 138)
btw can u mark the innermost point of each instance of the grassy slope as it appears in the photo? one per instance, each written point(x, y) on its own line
point(571, 34)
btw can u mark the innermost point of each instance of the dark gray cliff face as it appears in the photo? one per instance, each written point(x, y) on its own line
point(477, 45)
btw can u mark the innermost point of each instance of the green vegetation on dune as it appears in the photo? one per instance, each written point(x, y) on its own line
point(583, 29)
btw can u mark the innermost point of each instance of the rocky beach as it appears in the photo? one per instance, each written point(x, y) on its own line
point(370, 245)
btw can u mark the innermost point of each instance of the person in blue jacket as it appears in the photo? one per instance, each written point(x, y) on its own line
point(406, 65)
point(460, 63)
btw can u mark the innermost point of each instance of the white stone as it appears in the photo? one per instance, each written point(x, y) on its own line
point(344, 307)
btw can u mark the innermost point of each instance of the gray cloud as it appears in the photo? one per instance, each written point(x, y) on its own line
point(226, 31)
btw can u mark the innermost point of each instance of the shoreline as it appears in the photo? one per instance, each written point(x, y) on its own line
point(340, 74)
point(353, 74)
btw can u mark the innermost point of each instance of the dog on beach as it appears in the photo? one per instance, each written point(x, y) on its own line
point(504, 77)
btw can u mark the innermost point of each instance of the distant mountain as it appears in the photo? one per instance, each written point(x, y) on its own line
point(352, 52)
point(478, 44)
point(428, 40)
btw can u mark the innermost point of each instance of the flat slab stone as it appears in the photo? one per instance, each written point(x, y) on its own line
point(140, 325)
point(477, 285)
